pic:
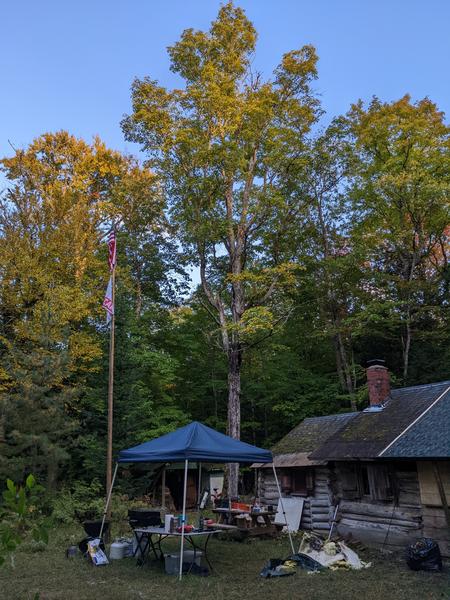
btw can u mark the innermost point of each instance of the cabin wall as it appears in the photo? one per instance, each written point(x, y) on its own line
point(317, 508)
point(434, 521)
point(383, 508)
point(375, 521)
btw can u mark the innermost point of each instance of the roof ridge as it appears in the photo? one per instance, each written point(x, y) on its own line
point(422, 385)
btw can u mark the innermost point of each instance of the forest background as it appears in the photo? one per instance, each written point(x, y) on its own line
point(317, 247)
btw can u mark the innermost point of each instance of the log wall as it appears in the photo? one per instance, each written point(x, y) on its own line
point(382, 523)
point(317, 508)
point(374, 522)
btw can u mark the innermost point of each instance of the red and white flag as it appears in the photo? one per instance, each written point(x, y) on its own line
point(108, 303)
point(112, 249)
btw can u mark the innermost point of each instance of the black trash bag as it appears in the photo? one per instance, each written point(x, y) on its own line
point(306, 562)
point(276, 567)
point(424, 555)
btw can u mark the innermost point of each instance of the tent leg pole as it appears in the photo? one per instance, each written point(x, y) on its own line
point(183, 520)
point(108, 500)
point(163, 489)
point(199, 487)
point(282, 509)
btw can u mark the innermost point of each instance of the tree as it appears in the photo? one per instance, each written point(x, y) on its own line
point(321, 237)
point(401, 211)
point(39, 427)
point(63, 196)
point(221, 146)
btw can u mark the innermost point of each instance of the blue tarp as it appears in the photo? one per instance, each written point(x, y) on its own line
point(195, 442)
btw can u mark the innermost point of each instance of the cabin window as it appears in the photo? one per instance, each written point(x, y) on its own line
point(366, 480)
point(348, 476)
point(298, 482)
point(380, 481)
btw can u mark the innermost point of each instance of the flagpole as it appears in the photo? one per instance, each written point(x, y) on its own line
point(109, 458)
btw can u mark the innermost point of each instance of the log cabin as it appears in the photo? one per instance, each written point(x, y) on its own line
point(301, 476)
point(386, 469)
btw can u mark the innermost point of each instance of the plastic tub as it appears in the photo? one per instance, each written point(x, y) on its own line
point(172, 561)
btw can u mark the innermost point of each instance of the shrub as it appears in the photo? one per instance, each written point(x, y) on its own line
point(80, 502)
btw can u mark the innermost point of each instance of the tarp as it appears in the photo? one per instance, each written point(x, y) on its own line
point(195, 442)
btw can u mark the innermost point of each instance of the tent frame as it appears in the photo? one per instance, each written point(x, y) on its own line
point(183, 517)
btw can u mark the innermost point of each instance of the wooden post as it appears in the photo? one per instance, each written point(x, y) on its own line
point(441, 489)
point(111, 390)
point(108, 500)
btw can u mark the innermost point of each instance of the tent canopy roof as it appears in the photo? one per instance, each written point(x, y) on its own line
point(195, 442)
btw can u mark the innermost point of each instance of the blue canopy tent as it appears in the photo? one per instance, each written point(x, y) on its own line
point(195, 442)
point(199, 443)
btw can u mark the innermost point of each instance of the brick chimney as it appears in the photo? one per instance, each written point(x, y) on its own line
point(378, 382)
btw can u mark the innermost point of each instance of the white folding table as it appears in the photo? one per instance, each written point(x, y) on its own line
point(146, 544)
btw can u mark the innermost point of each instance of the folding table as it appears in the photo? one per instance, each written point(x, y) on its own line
point(146, 544)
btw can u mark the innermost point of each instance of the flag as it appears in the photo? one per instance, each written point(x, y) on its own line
point(112, 249)
point(108, 304)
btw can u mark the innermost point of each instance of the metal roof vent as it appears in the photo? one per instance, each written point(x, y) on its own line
point(374, 408)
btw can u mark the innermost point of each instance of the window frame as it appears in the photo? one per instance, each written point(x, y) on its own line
point(367, 481)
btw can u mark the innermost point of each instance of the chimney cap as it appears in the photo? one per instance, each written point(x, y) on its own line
point(376, 362)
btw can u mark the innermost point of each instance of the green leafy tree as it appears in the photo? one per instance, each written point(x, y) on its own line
point(221, 146)
point(62, 197)
point(321, 238)
point(400, 190)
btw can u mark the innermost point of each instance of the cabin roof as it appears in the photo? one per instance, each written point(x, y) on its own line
point(405, 427)
point(310, 434)
point(429, 437)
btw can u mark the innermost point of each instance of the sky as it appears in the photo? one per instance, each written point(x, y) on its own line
point(69, 64)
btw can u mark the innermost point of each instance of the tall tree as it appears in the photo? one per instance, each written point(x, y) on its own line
point(221, 145)
point(401, 194)
point(321, 236)
point(62, 196)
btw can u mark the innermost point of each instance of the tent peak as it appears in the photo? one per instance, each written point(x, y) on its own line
point(198, 442)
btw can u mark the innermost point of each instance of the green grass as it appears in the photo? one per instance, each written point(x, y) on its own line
point(237, 566)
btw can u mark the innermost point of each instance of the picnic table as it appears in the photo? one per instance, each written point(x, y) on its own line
point(253, 526)
point(149, 539)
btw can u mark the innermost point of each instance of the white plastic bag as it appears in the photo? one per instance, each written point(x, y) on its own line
point(96, 554)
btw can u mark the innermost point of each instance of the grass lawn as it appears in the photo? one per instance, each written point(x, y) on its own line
point(237, 566)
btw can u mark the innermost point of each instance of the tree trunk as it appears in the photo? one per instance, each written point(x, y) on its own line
point(406, 343)
point(343, 367)
point(234, 410)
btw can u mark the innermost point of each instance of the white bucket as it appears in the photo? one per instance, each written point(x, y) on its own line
point(172, 561)
point(117, 550)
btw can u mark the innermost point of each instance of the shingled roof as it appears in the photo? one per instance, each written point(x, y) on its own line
point(293, 450)
point(400, 429)
point(429, 437)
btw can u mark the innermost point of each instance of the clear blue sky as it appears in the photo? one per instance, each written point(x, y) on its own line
point(68, 64)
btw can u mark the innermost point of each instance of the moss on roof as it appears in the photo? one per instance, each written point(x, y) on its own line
point(311, 433)
point(369, 433)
